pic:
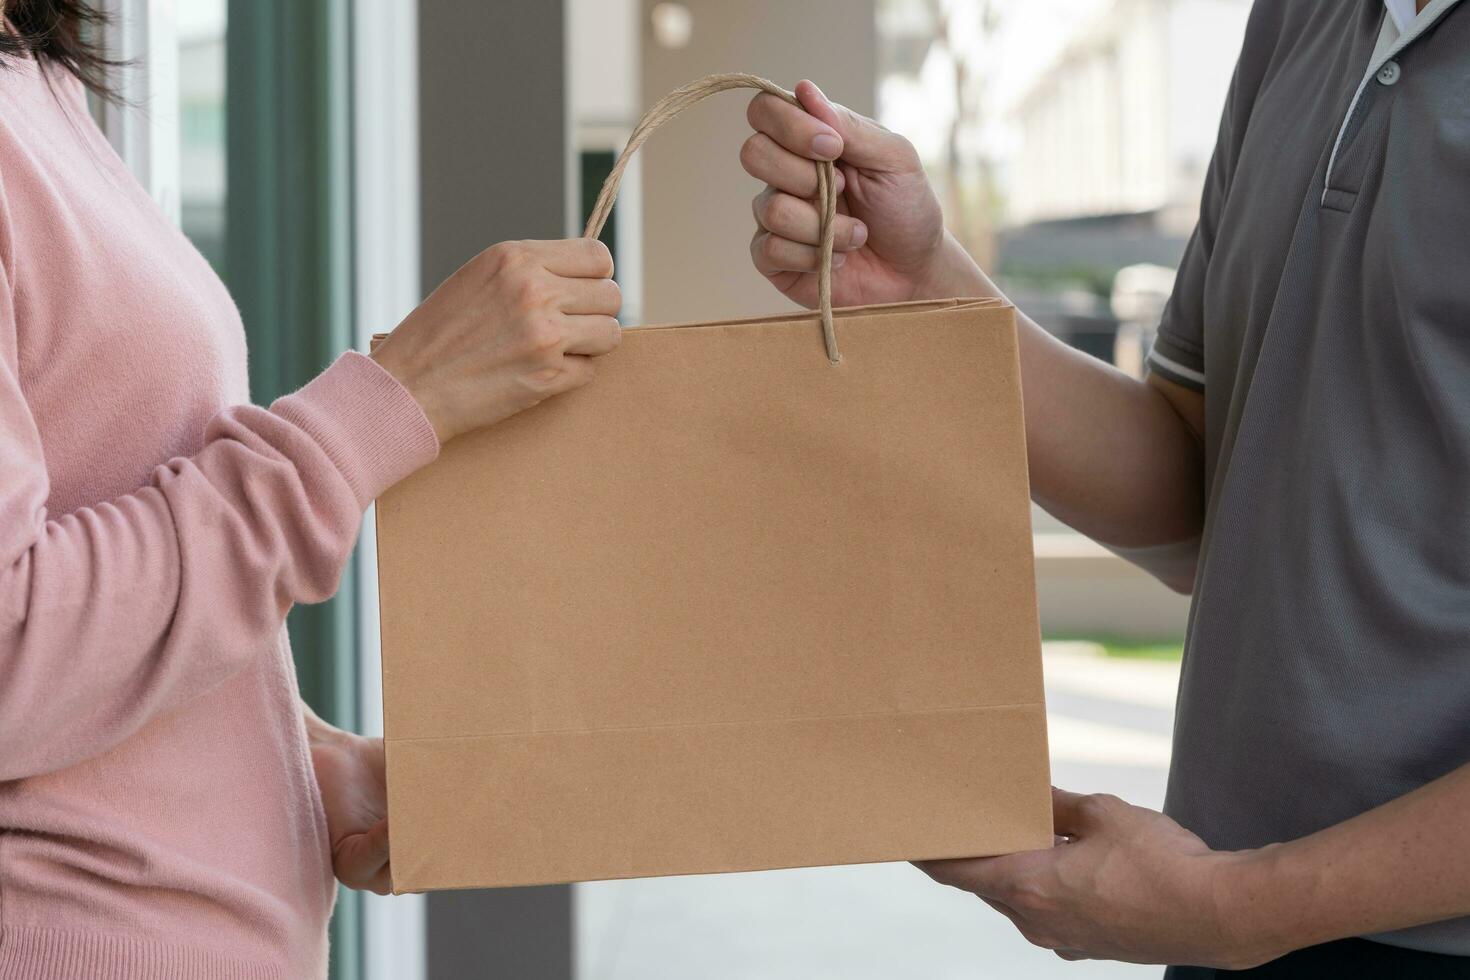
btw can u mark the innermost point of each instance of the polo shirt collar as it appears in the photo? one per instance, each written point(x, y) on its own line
point(1402, 12)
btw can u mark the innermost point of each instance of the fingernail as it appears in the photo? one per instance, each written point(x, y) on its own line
point(838, 258)
point(859, 234)
point(821, 94)
point(826, 146)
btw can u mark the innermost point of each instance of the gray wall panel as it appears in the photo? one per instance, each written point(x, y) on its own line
point(492, 126)
point(493, 163)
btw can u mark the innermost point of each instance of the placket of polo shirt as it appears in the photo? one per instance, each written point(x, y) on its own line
point(1360, 144)
point(1344, 176)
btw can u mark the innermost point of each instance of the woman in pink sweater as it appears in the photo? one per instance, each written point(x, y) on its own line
point(168, 807)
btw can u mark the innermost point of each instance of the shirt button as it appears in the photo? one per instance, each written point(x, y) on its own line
point(1389, 73)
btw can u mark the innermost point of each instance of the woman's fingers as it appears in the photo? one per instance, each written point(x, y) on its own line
point(798, 220)
point(580, 258)
point(766, 160)
point(382, 883)
point(593, 297)
point(773, 255)
point(361, 859)
point(576, 370)
point(591, 336)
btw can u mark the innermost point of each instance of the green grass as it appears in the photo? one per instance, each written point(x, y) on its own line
point(1143, 651)
point(1133, 649)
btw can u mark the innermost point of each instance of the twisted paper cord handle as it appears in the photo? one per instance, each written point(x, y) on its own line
point(697, 91)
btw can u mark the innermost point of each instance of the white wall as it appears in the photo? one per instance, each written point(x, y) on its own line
point(603, 62)
point(603, 50)
point(386, 261)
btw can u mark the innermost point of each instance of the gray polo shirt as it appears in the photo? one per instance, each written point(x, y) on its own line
point(1323, 306)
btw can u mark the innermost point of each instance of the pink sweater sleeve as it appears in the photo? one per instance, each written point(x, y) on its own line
point(114, 613)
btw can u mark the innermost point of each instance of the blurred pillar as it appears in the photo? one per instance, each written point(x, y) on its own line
point(493, 160)
point(493, 128)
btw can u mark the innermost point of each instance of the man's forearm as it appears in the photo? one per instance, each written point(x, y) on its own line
point(1109, 454)
point(1399, 865)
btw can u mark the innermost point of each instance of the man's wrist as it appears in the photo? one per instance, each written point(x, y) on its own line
point(954, 273)
point(1262, 909)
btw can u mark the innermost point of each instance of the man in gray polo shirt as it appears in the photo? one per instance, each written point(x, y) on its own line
point(1299, 459)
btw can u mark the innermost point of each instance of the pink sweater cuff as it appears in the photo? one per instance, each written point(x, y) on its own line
point(369, 425)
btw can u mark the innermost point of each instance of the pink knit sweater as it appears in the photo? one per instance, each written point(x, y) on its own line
point(159, 817)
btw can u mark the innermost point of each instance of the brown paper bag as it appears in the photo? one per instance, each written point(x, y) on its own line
point(733, 606)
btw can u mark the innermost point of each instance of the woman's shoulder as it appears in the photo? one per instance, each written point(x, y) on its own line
point(37, 106)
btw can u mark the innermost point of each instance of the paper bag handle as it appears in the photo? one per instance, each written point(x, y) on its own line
point(697, 91)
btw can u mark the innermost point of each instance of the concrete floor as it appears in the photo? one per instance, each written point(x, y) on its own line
point(1109, 722)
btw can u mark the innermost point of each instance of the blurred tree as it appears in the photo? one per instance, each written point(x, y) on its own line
point(939, 47)
point(967, 175)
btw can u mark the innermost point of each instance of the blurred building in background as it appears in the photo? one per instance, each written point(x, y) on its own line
point(1125, 119)
point(1068, 140)
point(1113, 141)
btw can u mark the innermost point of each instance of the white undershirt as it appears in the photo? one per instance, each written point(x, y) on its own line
point(1403, 12)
